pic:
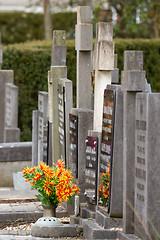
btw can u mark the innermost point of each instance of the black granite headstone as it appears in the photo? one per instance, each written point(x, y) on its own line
point(107, 129)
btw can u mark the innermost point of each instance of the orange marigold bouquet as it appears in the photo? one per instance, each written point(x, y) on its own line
point(54, 184)
point(104, 187)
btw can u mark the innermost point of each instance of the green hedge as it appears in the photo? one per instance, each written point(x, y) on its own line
point(17, 27)
point(31, 62)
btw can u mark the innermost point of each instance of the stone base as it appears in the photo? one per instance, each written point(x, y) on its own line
point(108, 222)
point(65, 230)
point(91, 230)
point(87, 213)
point(123, 236)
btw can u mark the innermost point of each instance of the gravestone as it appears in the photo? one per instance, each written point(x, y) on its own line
point(34, 138)
point(107, 136)
point(65, 103)
point(58, 70)
point(78, 133)
point(50, 122)
point(60, 101)
point(115, 72)
point(73, 130)
point(83, 44)
point(104, 65)
point(42, 124)
point(133, 81)
point(91, 172)
point(11, 131)
point(116, 191)
point(107, 129)
point(40, 129)
point(6, 76)
point(147, 169)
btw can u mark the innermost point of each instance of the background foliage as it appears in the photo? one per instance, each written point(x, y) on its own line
point(19, 27)
point(31, 62)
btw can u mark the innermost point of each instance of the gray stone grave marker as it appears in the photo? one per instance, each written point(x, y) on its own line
point(11, 131)
point(91, 172)
point(65, 103)
point(84, 43)
point(104, 65)
point(107, 129)
point(73, 129)
point(6, 76)
point(107, 135)
point(116, 197)
point(85, 123)
point(147, 169)
point(115, 72)
point(42, 124)
point(133, 81)
point(58, 71)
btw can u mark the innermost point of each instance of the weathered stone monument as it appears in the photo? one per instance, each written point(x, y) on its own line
point(81, 118)
point(104, 65)
point(84, 45)
point(11, 131)
point(60, 99)
point(116, 185)
point(147, 169)
point(40, 129)
point(133, 81)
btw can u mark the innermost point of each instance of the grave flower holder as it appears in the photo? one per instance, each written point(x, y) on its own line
point(54, 185)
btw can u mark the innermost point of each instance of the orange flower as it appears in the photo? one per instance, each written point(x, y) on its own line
point(28, 170)
point(60, 163)
point(48, 185)
point(37, 176)
point(53, 183)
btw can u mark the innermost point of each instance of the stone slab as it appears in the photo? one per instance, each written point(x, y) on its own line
point(92, 230)
point(104, 31)
point(107, 222)
point(21, 151)
point(147, 169)
point(134, 80)
point(116, 197)
point(11, 105)
point(6, 76)
point(123, 236)
point(11, 135)
point(66, 230)
point(133, 60)
point(58, 56)
point(85, 123)
point(83, 14)
point(105, 55)
point(87, 213)
point(84, 68)
point(115, 76)
point(84, 37)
